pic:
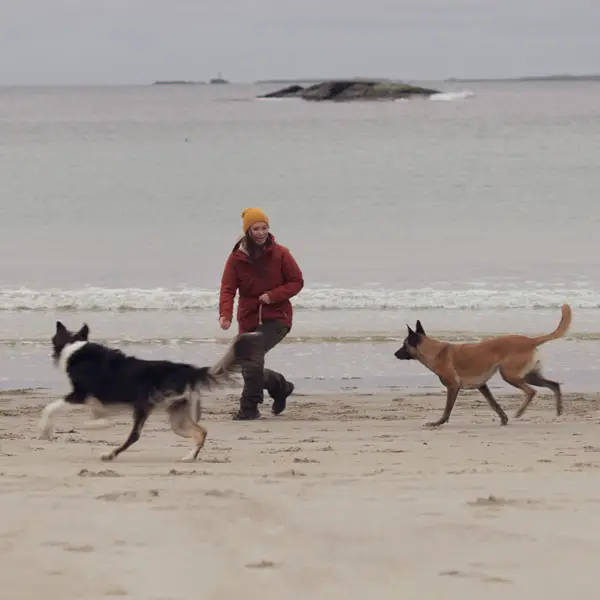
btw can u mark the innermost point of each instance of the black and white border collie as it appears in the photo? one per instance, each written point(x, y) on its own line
point(103, 377)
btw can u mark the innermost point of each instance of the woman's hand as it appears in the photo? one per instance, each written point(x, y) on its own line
point(264, 299)
point(224, 323)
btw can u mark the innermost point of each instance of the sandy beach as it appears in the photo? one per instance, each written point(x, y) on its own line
point(343, 495)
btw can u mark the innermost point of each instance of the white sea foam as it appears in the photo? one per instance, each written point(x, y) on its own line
point(452, 96)
point(322, 298)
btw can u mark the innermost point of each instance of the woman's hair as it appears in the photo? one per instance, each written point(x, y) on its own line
point(253, 249)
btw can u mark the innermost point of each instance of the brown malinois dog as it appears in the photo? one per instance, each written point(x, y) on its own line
point(470, 366)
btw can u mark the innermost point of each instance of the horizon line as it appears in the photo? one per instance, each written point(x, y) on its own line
point(277, 80)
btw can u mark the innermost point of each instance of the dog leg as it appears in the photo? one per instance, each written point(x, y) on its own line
point(195, 406)
point(98, 423)
point(46, 423)
point(140, 416)
point(182, 424)
point(519, 383)
point(99, 420)
point(536, 378)
point(487, 394)
point(452, 393)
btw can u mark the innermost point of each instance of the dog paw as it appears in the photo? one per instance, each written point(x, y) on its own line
point(433, 424)
point(107, 457)
point(188, 458)
point(45, 434)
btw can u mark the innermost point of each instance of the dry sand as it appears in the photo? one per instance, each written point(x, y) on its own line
point(343, 496)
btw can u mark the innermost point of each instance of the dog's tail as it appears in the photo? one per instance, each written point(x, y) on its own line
point(560, 331)
point(246, 349)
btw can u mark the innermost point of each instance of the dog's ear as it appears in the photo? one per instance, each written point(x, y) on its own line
point(60, 327)
point(83, 333)
point(410, 331)
point(420, 328)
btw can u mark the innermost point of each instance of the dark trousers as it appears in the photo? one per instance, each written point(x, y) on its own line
point(256, 377)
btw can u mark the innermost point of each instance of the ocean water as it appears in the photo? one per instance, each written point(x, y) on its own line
point(475, 211)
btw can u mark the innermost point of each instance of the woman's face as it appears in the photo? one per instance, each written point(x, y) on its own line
point(259, 232)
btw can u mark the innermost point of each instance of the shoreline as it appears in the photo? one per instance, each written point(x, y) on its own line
point(349, 494)
point(317, 368)
point(326, 351)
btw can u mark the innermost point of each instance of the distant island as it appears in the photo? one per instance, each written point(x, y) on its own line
point(354, 89)
point(218, 79)
point(179, 82)
point(214, 80)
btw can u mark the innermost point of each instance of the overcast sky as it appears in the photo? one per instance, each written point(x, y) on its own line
point(139, 41)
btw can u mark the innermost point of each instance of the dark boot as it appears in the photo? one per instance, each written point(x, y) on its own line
point(279, 389)
point(280, 401)
point(246, 414)
point(252, 394)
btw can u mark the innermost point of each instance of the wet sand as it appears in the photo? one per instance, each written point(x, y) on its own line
point(342, 496)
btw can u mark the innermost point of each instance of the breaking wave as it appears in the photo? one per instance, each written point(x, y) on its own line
point(452, 96)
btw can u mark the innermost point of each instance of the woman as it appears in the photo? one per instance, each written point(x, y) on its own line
point(266, 276)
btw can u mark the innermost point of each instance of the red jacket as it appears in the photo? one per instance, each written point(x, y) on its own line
point(275, 272)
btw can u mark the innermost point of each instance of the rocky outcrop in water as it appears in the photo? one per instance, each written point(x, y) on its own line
point(344, 91)
point(291, 90)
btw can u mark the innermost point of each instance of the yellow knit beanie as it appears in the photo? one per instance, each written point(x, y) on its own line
point(251, 216)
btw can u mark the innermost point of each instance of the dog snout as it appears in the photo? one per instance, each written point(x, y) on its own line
point(403, 354)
